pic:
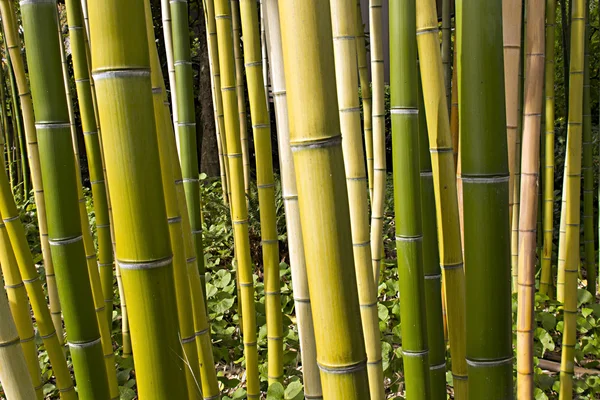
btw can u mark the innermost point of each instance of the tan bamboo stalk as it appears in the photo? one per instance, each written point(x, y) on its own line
point(446, 50)
point(454, 127)
point(13, 44)
point(239, 209)
point(379, 163)
point(343, 21)
point(213, 57)
point(263, 50)
point(19, 308)
point(511, 20)
point(444, 179)
point(180, 273)
point(573, 192)
point(261, 127)
point(14, 377)
point(316, 144)
point(239, 77)
point(548, 171)
point(302, 304)
point(121, 72)
point(534, 87)
point(103, 308)
point(562, 231)
point(33, 286)
point(365, 91)
point(165, 10)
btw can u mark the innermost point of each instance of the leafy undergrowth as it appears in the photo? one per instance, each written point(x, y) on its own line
point(223, 305)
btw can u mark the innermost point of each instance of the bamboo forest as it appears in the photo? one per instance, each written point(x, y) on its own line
point(299, 199)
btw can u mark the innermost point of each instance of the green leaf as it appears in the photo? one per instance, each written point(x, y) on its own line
point(126, 393)
point(545, 338)
point(548, 321)
point(583, 297)
point(538, 394)
point(294, 391)
point(223, 305)
point(239, 394)
point(222, 278)
point(383, 312)
point(275, 391)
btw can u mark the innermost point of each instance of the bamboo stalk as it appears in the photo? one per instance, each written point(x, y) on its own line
point(122, 80)
point(302, 303)
point(431, 265)
point(573, 192)
point(365, 91)
point(21, 167)
point(379, 163)
point(587, 169)
point(407, 197)
point(261, 127)
point(444, 179)
point(548, 171)
point(534, 86)
point(238, 203)
point(239, 78)
point(19, 307)
point(14, 376)
point(511, 21)
point(16, 61)
point(454, 127)
point(168, 43)
point(343, 22)
point(446, 50)
point(316, 144)
point(59, 177)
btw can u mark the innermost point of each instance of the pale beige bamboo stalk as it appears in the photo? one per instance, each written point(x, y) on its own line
point(168, 43)
point(304, 319)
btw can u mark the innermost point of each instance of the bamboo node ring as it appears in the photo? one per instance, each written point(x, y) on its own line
point(317, 143)
point(11, 342)
point(146, 264)
point(349, 369)
point(84, 344)
point(490, 363)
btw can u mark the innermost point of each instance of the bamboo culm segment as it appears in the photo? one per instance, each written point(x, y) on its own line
point(573, 191)
point(344, 47)
point(587, 170)
point(316, 144)
point(446, 50)
point(19, 308)
point(548, 171)
point(532, 117)
point(13, 44)
point(261, 127)
point(404, 103)
point(302, 303)
point(186, 122)
point(444, 180)
point(241, 93)
point(14, 375)
point(365, 92)
point(379, 163)
point(239, 210)
point(123, 88)
point(431, 265)
point(59, 177)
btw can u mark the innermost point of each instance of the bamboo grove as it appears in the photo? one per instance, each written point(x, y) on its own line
point(405, 190)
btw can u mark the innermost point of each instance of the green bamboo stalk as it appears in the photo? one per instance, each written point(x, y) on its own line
point(485, 187)
point(180, 273)
point(239, 77)
point(316, 144)
point(13, 44)
point(444, 180)
point(344, 47)
point(446, 51)
point(59, 178)
point(511, 22)
point(22, 172)
point(92, 145)
point(587, 168)
point(121, 71)
point(6, 110)
point(407, 196)
point(431, 264)
point(237, 199)
point(532, 121)
point(14, 377)
point(379, 163)
point(19, 307)
point(186, 122)
point(365, 91)
point(548, 171)
point(263, 50)
point(573, 192)
point(302, 303)
point(261, 127)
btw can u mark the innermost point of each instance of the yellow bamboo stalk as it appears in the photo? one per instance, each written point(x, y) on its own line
point(379, 164)
point(444, 180)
